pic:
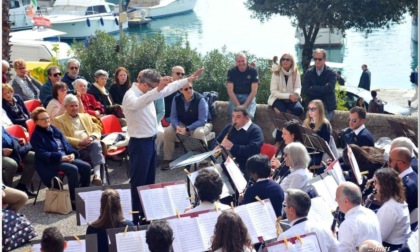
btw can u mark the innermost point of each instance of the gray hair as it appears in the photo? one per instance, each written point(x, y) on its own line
point(77, 81)
point(403, 142)
point(352, 192)
point(299, 200)
point(100, 72)
point(5, 63)
point(320, 50)
point(150, 76)
point(298, 155)
point(74, 61)
point(240, 55)
point(70, 98)
point(51, 68)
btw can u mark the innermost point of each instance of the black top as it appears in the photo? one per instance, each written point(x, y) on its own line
point(242, 81)
point(117, 93)
point(189, 116)
point(102, 237)
point(102, 98)
point(320, 87)
point(17, 113)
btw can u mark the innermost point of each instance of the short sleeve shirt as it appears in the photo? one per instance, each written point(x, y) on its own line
point(242, 81)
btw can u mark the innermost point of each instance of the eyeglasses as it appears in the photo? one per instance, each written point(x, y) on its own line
point(44, 119)
point(57, 74)
point(318, 59)
point(353, 120)
point(74, 68)
point(180, 74)
point(285, 59)
point(312, 109)
point(187, 88)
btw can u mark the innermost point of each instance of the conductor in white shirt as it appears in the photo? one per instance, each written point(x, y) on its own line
point(296, 206)
point(360, 223)
point(140, 114)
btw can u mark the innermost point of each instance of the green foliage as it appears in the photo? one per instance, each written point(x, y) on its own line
point(341, 96)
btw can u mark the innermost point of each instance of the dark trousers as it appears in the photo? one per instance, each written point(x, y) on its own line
point(294, 107)
point(143, 159)
point(72, 171)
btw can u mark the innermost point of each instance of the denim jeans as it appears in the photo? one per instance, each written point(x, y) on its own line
point(252, 107)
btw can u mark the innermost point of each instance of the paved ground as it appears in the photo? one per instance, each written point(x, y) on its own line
point(399, 97)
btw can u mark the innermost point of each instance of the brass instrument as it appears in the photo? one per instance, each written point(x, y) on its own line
point(217, 154)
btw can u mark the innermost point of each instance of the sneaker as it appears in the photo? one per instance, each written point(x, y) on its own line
point(96, 181)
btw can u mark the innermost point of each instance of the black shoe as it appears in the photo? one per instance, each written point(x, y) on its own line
point(24, 189)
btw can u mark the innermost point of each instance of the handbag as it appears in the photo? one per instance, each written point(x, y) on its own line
point(57, 200)
point(16, 230)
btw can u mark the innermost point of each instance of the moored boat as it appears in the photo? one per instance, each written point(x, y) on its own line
point(324, 38)
point(166, 8)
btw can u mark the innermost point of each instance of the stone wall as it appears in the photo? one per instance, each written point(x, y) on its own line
point(376, 123)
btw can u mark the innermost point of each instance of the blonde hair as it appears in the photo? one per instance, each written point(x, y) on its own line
point(18, 63)
point(8, 87)
point(321, 119)
point(292, 66)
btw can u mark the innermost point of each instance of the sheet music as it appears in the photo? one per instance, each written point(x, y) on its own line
point(322, 190)
point(337, 171)
point(179, 197)
point(76, 246)
point(125, 198)
point(134, 241)
point(236, 175)
point(227, 189)
point(310, 243)
point(92, 200)
point(243, 213)
point(332, 188)
point(354, 165)
point(207, 223)
point(156, 203)
point(320, 212)
point(186, 230)
point(264, 224)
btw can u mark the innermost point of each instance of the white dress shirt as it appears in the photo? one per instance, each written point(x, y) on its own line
point(327, 242)
point(360, 224)
point(394, 220)
point(205, 205)
point(406, 172)
point(139, 108)
point(297, 179)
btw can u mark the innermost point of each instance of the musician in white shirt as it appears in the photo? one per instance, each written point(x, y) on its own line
point(360, 223)
point(296, 206)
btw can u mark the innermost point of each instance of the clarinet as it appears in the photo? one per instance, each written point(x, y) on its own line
point(276, 173)
point(338, 218)
point(217, 154)
point(370, 199)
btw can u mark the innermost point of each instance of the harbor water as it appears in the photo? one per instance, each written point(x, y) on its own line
point(389, 53)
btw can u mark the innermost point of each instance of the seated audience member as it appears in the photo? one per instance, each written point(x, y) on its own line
point(297, 159)
point(53, 153)
point(393, 215)
point(296, 206)
point(244, 140)
point(360, 223)
point(370, 246)
point(368, 158)
point(4, 69)
point(237, 240)
point(360, 103)
point(407, 143)
point(177, 73)
point(14, 199)
point(52, 240)
point(399, 160)
point(189, 116)
point(72, 73)
point(90, 104)
point(316, 120)
point(111, 216)
point(359, 134)
point(100, 93)
point(259, 169)
point(159, 236)
point(120, 86)
point(56, 105)
point(24, 84)
point(14, 106)
point(54, 75)
point(83, 134)
point(285, 87)
point(14, 155)
point(209, 187)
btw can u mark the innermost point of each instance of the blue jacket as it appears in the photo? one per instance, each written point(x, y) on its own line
point(46, 93)
point(47, 156)
point(411, 184)
point(363, 139)
point(11, 142)
point(19, 117)
point(320, 87)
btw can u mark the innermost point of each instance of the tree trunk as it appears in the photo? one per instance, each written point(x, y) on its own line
point(5, 31)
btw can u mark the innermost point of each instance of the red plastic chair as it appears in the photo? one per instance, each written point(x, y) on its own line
point(164, 122)
point(32, 104)
point(30, 125)
point(268, 149)
point(17, 131)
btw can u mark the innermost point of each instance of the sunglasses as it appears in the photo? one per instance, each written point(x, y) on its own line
point(312, 109)
point(285, 59)
point(44, 119)
point(318, 59)
point(56, 74)
point(353, 120)
point(74, 68)
point(186, 89)
point(180, 74)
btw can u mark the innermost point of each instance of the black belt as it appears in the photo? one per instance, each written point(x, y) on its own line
point(391, 247)
point(144, 138)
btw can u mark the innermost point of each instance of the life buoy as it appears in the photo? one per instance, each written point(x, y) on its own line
point(102, 21)
point(116, 21)
point(88, 22)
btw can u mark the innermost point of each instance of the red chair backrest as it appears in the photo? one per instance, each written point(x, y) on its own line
point(32, 104)
point(268, 149)
point(30, 124)
point(110, 124)
point(17, 131)
point(164, 122)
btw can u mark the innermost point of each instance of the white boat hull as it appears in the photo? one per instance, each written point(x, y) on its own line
point(19, 20)
point(80, 27)
point(324, 38)
point(170, 8)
